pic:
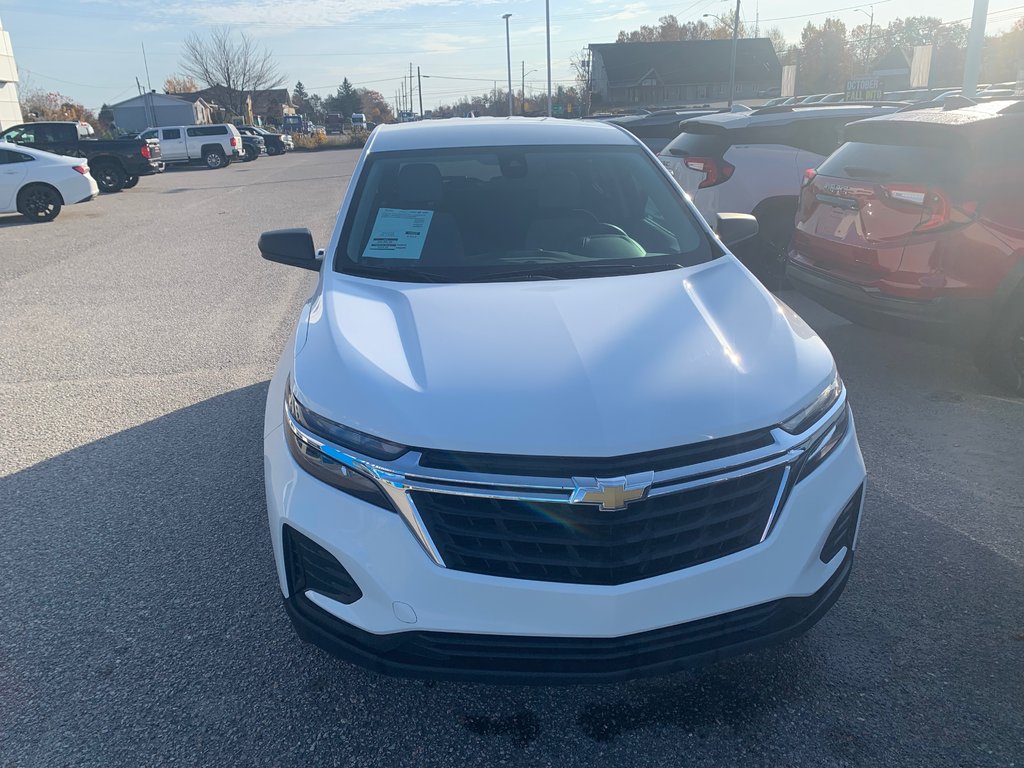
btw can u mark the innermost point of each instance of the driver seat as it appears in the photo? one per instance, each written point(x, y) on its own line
point(561, 223)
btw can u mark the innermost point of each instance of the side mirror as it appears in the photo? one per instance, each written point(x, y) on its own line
point(293, 247)
point(734, 228)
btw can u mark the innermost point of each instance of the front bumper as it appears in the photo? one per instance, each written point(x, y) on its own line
point(414, 616)
point(561, 660)
point(936, 318)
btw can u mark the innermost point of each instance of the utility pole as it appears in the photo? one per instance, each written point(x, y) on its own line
point(149, 92)
point(547, 33)
point(732, 65)
point(410, 86)
point(975, 41)
point(522, 94)
point(508, 55)
point(419, 89)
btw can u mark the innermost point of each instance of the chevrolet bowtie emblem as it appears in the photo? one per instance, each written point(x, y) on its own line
point(611, 493)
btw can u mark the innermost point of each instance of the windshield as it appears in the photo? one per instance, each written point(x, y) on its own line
point(460, 215)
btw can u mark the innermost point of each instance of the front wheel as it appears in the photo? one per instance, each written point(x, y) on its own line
point(39, 202)
point(215, 159)
point(109, 177)
point(272, 151)
point(130, 182)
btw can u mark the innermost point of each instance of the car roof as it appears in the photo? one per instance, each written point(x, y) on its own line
point(944, 125)
point(495, 132)
point(781, 115)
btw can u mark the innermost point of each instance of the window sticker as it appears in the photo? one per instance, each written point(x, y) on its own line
point(398, 234)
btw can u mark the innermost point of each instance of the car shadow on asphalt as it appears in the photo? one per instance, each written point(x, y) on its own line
point(142, 593)
point(16, 220)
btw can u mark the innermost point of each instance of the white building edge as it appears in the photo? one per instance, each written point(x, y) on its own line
point(10, 109)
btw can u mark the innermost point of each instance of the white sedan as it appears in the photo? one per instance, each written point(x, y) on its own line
point(38, 184)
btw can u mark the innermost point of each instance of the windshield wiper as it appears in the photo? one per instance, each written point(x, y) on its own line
point(400, 274)
point(571, 269)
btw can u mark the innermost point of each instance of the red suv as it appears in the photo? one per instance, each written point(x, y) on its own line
point(917, 223)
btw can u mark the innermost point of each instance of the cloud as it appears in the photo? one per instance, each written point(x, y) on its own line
point(296, 14)
point(629, 11)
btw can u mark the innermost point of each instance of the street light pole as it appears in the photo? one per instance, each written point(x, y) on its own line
point(547, 30)
point(732, 65)
point(975, 42)
point(508, 56)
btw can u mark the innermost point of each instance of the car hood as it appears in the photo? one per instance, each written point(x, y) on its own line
point(592, 367)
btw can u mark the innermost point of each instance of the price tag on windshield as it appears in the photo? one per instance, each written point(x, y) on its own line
point(398, 234)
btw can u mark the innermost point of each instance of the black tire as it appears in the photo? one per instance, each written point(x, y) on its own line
point(39, 202)
point(130, 182)
point(214, 159)
point(1001, 355)
point(250, 154)
point(272, 151)
point(109, 176)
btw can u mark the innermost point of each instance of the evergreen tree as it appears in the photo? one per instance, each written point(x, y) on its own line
point(299, 95)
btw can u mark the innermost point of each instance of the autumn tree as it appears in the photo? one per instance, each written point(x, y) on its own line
point(234, 61)
point(180, 84)
point(1004, 56)
point(668, 29)
point(375, 106)
point(825, 59)
point(50, 105)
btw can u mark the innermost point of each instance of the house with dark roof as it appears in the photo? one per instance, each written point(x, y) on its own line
point(229, 104)
point(686, 71)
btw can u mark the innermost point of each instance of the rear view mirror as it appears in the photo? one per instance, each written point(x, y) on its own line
point(293, 247)
point(734, 228)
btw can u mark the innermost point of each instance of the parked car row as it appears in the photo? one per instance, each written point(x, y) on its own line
point(216, 146)
point(753, 162)
point(116, 164)
point(906, 218)
point(46, 165)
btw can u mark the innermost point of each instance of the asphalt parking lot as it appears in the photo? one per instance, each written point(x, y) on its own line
point(140, 618)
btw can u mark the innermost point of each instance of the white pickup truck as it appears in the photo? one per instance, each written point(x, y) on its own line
point(213, 145)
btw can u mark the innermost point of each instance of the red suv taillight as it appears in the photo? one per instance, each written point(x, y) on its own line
point(936, 209)
point(82, 169)
point(234, 142)
point(809, 175)
point(145, 151)
point(715, 171)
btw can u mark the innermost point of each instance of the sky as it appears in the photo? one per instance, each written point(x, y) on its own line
point(91, 50)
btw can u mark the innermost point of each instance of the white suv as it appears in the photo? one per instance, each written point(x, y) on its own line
point(754, 162)
point(212, 145)
point(537, 422)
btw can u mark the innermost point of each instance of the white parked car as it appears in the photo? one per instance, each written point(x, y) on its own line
point(215, 146)
point(38, 184)
point(754, 162)
point(536, 421)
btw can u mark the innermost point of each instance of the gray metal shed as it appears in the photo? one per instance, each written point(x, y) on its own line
point(152, 110)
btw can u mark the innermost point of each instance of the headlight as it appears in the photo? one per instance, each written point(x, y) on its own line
point(807, 416)
point(313, 452)
point(821, 445)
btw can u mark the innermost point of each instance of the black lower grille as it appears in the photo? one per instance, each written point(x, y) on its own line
point(580, 544)
point(844, 530)
point(310, 566)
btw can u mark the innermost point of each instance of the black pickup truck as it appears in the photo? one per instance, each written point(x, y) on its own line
point(116, 164)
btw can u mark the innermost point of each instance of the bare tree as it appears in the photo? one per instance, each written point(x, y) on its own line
point(236, 62)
